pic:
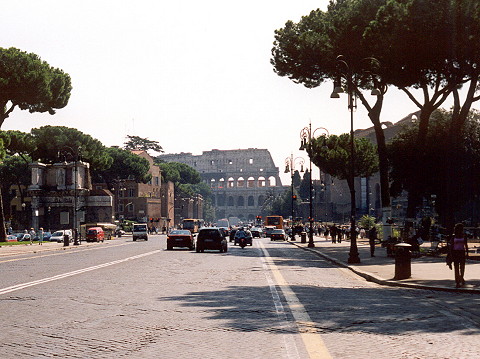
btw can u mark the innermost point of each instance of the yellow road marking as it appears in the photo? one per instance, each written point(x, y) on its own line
point(311, 337)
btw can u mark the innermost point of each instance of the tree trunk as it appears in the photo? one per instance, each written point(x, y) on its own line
point(3, 233)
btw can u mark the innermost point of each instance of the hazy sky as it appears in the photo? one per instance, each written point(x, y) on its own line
point(192, 75)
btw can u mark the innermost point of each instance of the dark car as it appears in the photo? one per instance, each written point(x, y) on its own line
point(278, 234)
point(245, 234)
point(180, 238)
point(257, 232)
point(211, 238)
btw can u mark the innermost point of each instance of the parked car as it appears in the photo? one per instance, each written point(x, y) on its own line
point(243, 233)
point(211, 238)
point(95, 234)
point(57, 236)
point(11, 238)
point(180, 238)
point(257, 232)
point(278, 234)
point(46, 236)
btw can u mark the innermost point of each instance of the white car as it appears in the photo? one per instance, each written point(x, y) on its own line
point(57, 236)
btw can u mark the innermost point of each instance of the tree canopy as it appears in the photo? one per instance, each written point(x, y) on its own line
point(124, 164)
point(54, 143)
point(144, 144)
point(332, 155)
point(438, 153)
point(30, 83)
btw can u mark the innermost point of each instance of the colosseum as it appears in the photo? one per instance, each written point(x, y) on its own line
point(241, 180)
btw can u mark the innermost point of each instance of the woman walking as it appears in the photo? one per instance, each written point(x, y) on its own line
point(459, 250)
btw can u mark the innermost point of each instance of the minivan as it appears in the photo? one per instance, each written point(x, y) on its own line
point(95, 234)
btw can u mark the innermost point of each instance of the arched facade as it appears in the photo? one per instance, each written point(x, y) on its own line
point(240, 179)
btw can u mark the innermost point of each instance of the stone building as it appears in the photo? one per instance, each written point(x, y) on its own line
point(240, 180)
point(62, 196)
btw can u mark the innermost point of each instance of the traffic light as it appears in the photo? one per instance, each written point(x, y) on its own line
point(294, 197)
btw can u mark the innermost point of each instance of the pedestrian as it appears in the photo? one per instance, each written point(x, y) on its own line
point(459, 251)
point(40, 236)
point(333, 233)
point(372, 237)
point(32, 235)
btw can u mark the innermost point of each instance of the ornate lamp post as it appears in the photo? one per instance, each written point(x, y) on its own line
point(306, 135)
point(347, 75)
point(290, 167)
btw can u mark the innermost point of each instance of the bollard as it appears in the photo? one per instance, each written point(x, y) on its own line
point(403, 261)
point(303, 236)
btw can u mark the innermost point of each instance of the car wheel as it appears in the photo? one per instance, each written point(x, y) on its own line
point(169, 247)
point(134, 239)
point(226, 249)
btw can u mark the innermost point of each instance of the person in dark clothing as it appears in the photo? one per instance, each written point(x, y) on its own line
point(372, 237)
point(459, 248)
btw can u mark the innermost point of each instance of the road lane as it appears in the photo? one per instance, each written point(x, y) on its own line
point(168, 304)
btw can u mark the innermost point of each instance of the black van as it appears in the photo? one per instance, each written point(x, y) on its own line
point(211, 238)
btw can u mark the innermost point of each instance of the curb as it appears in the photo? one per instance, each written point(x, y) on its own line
point(382, 281)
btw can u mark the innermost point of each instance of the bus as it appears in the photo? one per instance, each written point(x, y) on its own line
point(276, 221)
point(192, 224)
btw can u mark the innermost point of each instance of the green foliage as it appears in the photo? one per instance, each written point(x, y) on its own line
point(2, 149)
point(30, 83)
point(17, 142)
point(438, 153)
point(179, 173)
point(123, 165)
point(144, 144)
point(332, 155)
point(366, 222)
point(54, 143)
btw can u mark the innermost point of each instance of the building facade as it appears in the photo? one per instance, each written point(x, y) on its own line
point(241, 180)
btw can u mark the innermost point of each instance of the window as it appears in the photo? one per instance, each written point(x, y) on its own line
point(240, 201)
point(221, 183)
point(157, 181)
point(251, 182)
point(250, 202)
point(240, 182)
point(261, 182)
point(130, 207)
point(250, 161)
point(131, 192)
point(230, 162)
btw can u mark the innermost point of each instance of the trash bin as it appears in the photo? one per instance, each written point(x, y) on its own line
point(66, 240)
point(303, 236)
point(403, 261)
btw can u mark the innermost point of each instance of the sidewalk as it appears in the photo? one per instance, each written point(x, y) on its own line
point(427, 272)
point(20, 249)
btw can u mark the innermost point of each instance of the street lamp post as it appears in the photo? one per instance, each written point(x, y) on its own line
point(290, 167)
point(306, 134)
point(67, 150)
point(352, 105)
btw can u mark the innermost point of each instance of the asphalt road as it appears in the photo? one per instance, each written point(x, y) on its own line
point(125, 299)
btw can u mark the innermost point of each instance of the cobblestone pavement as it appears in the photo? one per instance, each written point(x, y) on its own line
point(182, 304)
